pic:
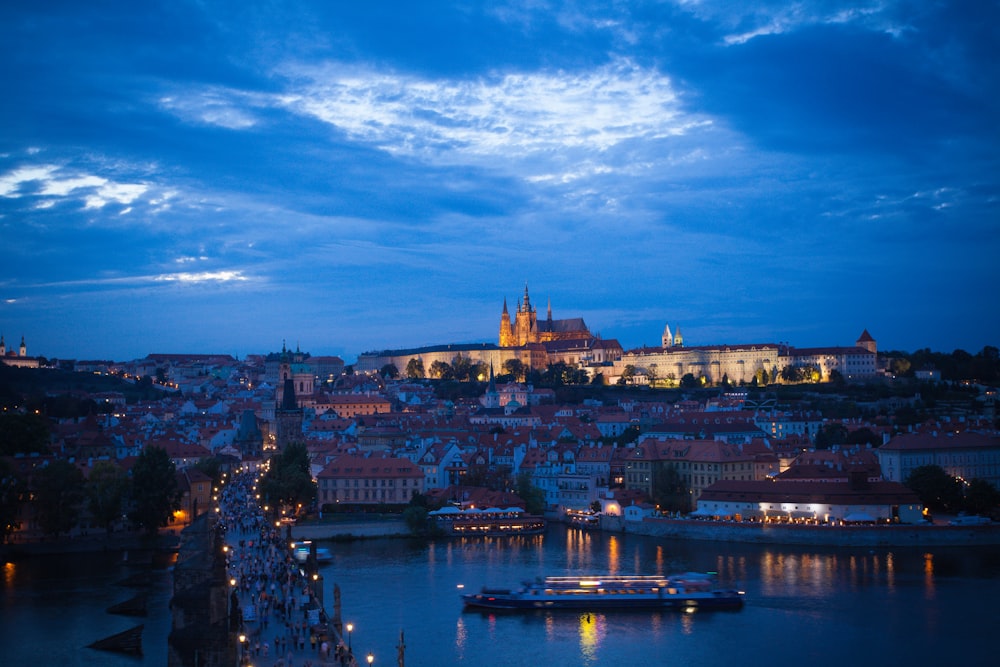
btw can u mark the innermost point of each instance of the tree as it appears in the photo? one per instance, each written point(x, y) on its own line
point(832, 433)
point(461, 367)
point(515, 368)
point(652, 373)
point(58, 495)
point(899, 366)
point(12, 494)
point(533, 497)
point(415, 518)
point(441, 370)
point(689, 381)
point(289, 479)
point(628, 373)
point(154, 492)
point(669, 491)
point(389, 371)
point(981, 497)
point(414, 368)
point(23, 434)
point(936, 489)
point(211, 467)
point(863, 436)
point(105, 490)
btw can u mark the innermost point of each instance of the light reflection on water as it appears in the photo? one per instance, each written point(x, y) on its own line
point(802, 603)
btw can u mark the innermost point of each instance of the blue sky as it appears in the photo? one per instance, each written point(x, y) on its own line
point(221, 176)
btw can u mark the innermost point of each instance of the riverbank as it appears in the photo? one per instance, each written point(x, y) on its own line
point(715, 531)
point(812, 535)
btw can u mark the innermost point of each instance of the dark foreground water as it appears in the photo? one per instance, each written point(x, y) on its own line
point(842, 607)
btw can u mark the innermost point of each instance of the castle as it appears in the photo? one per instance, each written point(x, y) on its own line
point(526, 328)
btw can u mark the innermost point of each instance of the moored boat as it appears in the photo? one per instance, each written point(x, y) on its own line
point(301, 550)
point(688, 591)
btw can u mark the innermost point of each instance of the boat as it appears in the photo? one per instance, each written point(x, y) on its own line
point(491, 522)
point(687, 592)
point(300, 551)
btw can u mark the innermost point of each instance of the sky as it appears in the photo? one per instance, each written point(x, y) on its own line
point(223, 177)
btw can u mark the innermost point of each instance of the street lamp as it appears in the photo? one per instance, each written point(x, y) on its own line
point(371, 657)
point(350, 629)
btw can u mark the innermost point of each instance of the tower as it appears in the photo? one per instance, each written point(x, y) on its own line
point(866, 341)
point(289, 417)
point(24, 348)
point(3, 347)
point(668, 338)
point(678, 339)
point(506, 332)
point(287, 414)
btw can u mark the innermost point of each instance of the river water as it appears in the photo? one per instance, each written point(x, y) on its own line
point(805, 606)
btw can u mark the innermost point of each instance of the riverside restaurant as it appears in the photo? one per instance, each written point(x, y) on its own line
point(487, 522)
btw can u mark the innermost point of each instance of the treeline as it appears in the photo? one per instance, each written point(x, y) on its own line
point(957, 366)
point(58, 495)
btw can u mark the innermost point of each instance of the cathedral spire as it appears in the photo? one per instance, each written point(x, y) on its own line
point(550, 309)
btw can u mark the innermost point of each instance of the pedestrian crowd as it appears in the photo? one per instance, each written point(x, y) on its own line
point(272, 590)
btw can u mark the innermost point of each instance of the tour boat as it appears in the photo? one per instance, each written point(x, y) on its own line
point(688, 592)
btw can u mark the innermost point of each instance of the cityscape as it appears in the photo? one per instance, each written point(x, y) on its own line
point(575, 333)
point(549, 426)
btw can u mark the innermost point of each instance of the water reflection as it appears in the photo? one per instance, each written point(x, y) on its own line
point(589, 637)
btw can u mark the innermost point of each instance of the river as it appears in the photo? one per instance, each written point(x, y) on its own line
point(805, 606)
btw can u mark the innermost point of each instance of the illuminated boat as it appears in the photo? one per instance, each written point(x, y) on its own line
point(686, 592)
point(300, 551)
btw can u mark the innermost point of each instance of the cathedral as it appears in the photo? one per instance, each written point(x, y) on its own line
point(527, 328)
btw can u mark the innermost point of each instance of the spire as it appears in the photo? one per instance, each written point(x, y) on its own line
point(550, 309)
point(505, 306)
point(527, 299)
point(668, 338)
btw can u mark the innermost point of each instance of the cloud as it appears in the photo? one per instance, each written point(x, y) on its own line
point(512, 114)
point(57, 182)
point(743, 22)
point(202, 277)
point(211, 106)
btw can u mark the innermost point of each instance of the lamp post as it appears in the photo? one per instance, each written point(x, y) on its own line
point(243, 647)
point(370, 658)
point(350, 629)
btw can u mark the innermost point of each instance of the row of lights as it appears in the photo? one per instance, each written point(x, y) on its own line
point(370, 658)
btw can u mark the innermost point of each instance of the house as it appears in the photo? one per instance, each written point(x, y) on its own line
point(358, 480)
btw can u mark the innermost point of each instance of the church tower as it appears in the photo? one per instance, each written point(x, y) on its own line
point(506, 332)
point(526, 320)
point(3, 347)
point(24, 348)
point(668, 338)
point(678, 339)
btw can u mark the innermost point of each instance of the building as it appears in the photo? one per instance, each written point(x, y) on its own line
point(826, 502)
point(526, 328)
point(19, 358)
point(713, 364)
point(967, 455)
point(699, 463)
point(357, 480)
